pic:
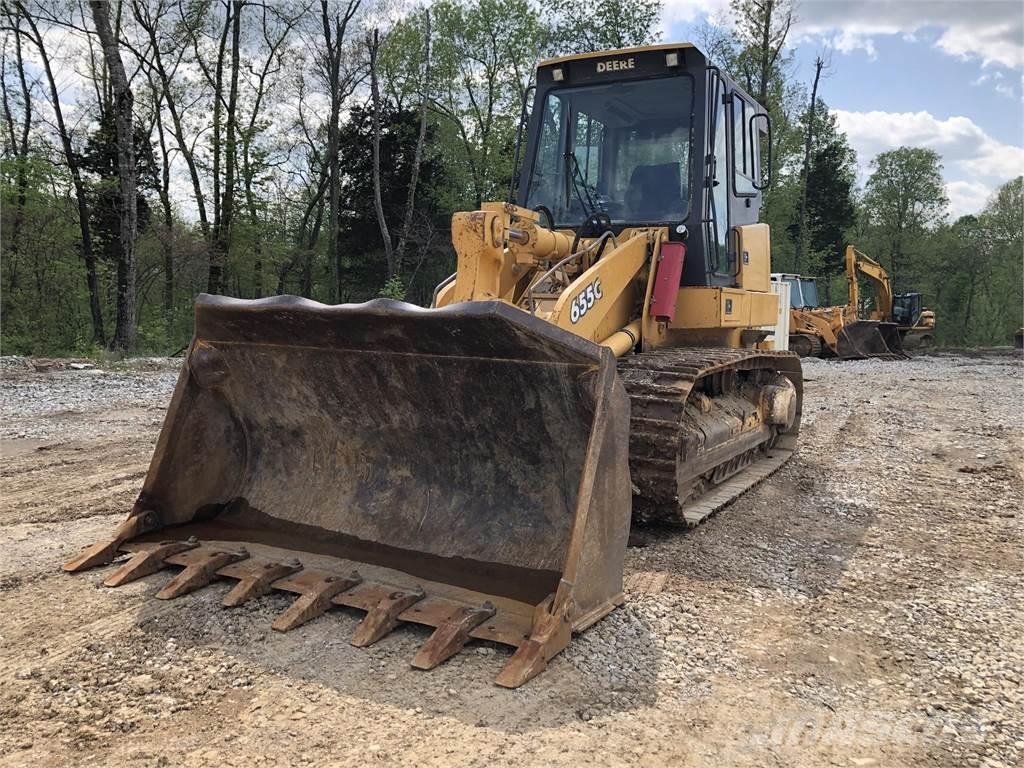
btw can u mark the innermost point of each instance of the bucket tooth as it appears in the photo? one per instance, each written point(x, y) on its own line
point(450, 637)
point(147, 561)
point(526, 663)
point(100, 553)
point(103, 552)
point(383, 617)
point(255, 579)
point(314, 601)
point(199, 572)
point(551, 633)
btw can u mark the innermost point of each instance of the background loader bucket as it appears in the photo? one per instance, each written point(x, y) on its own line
point(868, 338)
point(464, 468)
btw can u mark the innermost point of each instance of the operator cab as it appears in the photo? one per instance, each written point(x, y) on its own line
point(907, 308)
point(642, 137)
point(803, 291)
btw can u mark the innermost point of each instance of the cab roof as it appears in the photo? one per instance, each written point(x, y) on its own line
point(614, 52)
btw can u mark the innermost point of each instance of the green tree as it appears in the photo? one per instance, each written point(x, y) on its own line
point(762, 28)
point(904, 197)
point(482, 62)
point(970, 272)
point(753, 51)
point(598, 25)
point(1001, 304)
point(831, 207)
point(365, 269)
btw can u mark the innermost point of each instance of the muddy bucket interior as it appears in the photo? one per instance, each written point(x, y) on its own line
point(471, 461)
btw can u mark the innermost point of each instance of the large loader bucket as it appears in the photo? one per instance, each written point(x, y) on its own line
point(869, 338)
point(464, 468)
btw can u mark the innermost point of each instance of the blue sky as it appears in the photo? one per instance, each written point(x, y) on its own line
point(945, 74)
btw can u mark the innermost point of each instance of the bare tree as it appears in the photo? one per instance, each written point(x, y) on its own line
point(313, 200)
point(164, 192)
point(271, 65)
point(340, 84)
point(223, 192)
point(762, 27)
point(820, 64)
point(19, 145)
point(123, 104)
point(417, 160)
point(74, 169)
point(373, 48)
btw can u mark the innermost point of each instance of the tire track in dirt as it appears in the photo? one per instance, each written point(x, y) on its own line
point(73, 480)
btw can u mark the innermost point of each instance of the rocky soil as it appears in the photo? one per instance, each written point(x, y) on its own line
point(861, 607)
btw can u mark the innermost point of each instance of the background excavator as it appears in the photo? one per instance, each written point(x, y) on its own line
point(842, 331)
point(915, 324)
point(471, 466)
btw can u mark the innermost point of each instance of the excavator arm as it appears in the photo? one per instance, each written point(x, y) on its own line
point(858, 263)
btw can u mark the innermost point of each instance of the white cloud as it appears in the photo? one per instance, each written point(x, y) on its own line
point(962, 143)
point(688, 11)
point(975, 161)
point(988, 77)
point(967, 197)
point(989, 30)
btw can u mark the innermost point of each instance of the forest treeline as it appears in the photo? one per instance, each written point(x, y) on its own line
point(155, 149)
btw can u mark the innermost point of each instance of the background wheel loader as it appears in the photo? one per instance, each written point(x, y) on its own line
point(841, 331)
point(470, 466)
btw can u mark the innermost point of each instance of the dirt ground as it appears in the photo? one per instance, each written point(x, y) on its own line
point(861, 607)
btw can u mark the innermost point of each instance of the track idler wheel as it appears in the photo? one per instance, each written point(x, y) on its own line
point(780, 400)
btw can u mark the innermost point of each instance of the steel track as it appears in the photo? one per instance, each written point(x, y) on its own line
point(677, 477)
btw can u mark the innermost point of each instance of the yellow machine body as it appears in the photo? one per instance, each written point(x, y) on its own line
point(840, 331)
point(474, 466)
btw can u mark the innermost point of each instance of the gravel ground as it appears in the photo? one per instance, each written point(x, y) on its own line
point(861, 607)
point(72, 399)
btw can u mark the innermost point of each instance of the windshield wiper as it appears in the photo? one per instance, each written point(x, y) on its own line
point(573, 166)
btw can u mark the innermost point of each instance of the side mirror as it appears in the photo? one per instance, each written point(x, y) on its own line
point(754, 132)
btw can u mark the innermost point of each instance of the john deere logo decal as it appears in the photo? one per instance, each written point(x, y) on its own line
point(615, 65)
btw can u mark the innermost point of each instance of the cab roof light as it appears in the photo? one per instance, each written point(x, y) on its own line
point(558, 74)
point(672, 59)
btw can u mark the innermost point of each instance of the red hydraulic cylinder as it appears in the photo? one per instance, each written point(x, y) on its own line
point(666, 281)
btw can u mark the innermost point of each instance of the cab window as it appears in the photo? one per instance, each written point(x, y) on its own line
point(720, 187)
point(622, 148)
point(745, 149)
point(589, 141)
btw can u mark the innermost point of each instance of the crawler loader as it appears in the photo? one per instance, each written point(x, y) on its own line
point(472, 466)
point(839, 331)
